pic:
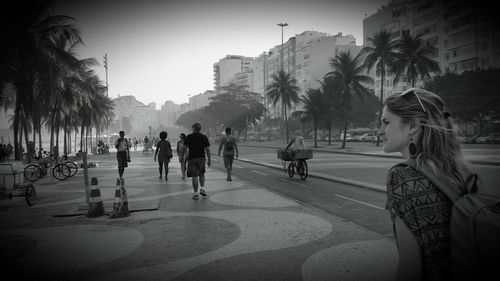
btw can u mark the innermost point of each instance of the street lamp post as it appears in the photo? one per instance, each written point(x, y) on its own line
point(282, 25)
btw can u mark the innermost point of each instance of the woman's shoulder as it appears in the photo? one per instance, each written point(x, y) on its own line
point(402, 173)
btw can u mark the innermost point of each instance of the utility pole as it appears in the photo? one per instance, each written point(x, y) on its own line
point(107, 86)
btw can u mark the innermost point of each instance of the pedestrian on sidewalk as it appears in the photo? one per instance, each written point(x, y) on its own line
point(122, 153)
point(182, 153)
point(164, 153)
point(228, 142)
point(199, 148)
point(415, 124)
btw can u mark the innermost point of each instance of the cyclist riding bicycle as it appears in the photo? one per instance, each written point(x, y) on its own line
point(296, 143)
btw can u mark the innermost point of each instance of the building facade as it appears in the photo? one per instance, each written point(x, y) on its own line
point(227, 67)
point(465, 33)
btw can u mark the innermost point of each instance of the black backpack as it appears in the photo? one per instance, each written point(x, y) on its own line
point(474, 231)
point(229, 144)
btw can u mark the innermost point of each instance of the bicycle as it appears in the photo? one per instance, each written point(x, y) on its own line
point(299, 164)
point(59, 170)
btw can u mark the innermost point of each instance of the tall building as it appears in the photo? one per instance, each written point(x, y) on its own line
point(465, 33)
point(201, 100)
point(306, 57)
point(227, 67)
point(133, 116)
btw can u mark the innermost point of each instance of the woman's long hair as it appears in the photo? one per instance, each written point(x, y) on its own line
point(438, 154)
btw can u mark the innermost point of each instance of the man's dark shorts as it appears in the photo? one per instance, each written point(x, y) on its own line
point(228, 161)
point(195, 167)
point(121, 156)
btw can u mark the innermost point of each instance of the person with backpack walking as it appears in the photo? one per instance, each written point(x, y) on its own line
point(199, 152)
point(421, 191)
point(182, 153)
point(164, 153)
point(122, 153)
point(228, 142)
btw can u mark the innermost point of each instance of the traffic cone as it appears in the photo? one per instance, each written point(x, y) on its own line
point(120, 207)
point(96, 207)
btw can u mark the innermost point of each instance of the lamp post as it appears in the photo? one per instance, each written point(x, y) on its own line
point(282, 26)
point(282, 103)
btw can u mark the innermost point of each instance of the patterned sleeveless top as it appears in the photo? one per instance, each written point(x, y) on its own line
point(426, 211)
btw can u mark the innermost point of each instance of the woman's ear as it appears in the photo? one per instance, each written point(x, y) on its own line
point(414, 126)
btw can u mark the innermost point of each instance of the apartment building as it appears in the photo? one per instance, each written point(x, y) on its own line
point(201, 100)
point(465, 33)
point(129, 112)
point(305, 56)
point(227, 67)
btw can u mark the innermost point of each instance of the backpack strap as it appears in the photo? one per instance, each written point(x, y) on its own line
point(453, 195)
point(471, 178)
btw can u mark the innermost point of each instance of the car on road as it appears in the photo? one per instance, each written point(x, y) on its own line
point(480, 139)
point(368, 137)
point(493, 138)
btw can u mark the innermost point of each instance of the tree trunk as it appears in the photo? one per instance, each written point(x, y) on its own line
point(17, 143)
point(315, 127)
point(381, 105)
point(286, 125)
point(346, 119)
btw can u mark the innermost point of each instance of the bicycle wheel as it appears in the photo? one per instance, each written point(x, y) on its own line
point(61, 171)
point(302, 169)
point(30, 195)
point(72, 167)
point(291, 170)
point(31, 172)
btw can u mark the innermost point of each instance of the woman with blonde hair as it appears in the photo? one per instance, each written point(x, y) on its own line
point(416, 124)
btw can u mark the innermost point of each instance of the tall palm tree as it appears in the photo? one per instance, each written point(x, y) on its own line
point(315, 108)
point(31, 33)
point(414, 60)
point(347, 73)
point(284, 89)
point(382, 56)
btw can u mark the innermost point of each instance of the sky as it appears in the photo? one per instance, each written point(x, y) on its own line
point(165, 50)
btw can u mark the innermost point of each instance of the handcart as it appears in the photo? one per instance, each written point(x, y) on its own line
point(300, 163)
point(12, 184)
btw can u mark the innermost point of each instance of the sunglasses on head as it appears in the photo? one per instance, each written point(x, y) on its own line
point(414, 91)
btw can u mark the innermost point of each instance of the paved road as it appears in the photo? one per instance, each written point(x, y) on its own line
point(243, 231)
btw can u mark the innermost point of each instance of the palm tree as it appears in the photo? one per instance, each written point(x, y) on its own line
point(284, 89)
point(382, 54)
point(414, 59)
point(347, 73)
point(314, 107)
point(32, 34)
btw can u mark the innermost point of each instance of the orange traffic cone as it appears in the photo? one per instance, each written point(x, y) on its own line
point(120, 207)
point(96, 207)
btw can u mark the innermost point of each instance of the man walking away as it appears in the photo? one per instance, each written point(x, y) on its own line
point(228, 142)
point(198, 147)
point(164, 153)
point(122, 153)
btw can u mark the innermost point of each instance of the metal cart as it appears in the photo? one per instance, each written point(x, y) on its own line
point(12, 184)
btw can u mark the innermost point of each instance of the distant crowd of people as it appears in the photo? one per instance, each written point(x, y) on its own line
point(6, 152)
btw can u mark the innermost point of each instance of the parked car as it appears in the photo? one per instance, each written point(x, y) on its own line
point(367, 137)
point(480, 139)
point(493, 138)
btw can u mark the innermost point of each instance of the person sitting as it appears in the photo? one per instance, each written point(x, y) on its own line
point(296, 143)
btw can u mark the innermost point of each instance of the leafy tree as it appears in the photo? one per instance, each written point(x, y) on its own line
point(414, 59)
point(314, 108)
point(382, 55)
point(347, 72)
point(469, 96)
point(283, 89)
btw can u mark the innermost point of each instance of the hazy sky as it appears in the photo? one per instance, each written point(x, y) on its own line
point(165, 50)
